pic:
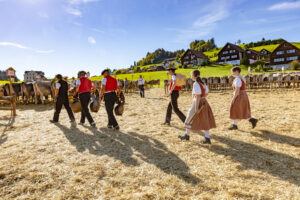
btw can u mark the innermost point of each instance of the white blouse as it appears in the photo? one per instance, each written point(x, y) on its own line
point(197, 89)
point(237, 82)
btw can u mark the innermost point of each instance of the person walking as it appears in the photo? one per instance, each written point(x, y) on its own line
point(84, 88)
point(61, 95)
point(200, 116)
point(109, 91)
point(141, 85)
point(240, 105)
point(174, 94)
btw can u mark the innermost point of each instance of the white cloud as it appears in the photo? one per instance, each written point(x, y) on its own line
point(285, 5)
point(97, 30)
point(74, 12)
point(91, 40)
point(203, 25)
point(16, 45)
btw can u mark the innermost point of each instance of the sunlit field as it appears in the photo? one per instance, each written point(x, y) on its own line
point(145, 160)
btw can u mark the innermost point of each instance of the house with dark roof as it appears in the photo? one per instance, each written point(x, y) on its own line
point(33, 75)
point(231, 54)
point(265, 53)
point(283, 55)
point(253, 55)
point(193, 57)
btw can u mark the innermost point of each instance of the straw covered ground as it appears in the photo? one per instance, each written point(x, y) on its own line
point(145, 160)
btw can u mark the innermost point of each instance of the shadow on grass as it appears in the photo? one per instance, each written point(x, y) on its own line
point(121, 146)
point(254, 157)
point(275, 137)
point(3, 136)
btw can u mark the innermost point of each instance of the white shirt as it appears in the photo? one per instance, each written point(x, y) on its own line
point(141, 82)
point(103, 81)
point(173, 77)
point(197, 89)
point(237, 82)
point(58, 86)
point(73, 83)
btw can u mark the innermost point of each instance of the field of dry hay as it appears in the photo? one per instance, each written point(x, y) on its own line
point(39, 160)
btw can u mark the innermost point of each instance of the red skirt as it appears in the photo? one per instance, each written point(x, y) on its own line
point(204, 120)
point(240, 107)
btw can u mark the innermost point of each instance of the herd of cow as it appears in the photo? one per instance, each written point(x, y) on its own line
point(38, 91)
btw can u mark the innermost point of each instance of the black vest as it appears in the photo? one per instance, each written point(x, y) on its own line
point(63, 90)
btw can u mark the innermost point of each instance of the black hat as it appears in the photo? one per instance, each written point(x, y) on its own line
point(171, 68)
point(81, 73)
point(106, 70)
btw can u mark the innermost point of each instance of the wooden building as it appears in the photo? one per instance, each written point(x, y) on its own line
point(193, 57)
point(231, 54)
point(265, 53)
point(283, 55)
point(253, 55)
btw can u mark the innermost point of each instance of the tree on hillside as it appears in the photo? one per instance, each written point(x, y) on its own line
point(239, 41)
point(245, 60)
point(201, 45)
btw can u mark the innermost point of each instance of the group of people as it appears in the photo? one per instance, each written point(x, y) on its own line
point(83, 88)
point(199, 117)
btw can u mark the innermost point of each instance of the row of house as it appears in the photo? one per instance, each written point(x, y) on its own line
point(233, 54)
point(280, 57)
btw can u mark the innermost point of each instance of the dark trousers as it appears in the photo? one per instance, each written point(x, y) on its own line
point(85, 113)
point(142, 91)
point(62, 100)
point(110, 100)
point(174, 106)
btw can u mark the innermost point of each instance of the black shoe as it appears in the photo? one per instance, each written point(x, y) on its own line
point(109, 126)
point(81, 123)
point(233, 127)
point(253, 121)
point(165, 123)
point(117, 128)
point(206, 141)
point(184, 137)
point(93, 124)
point(72, 120)
point(52, 121)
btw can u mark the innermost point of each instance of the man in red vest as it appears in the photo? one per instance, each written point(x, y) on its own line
point(174, 94)
point(84, 87)
point(109, 92)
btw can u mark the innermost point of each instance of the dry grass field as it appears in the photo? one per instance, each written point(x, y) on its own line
point(145, 160)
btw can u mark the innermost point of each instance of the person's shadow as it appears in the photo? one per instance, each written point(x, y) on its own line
point(3, 136)
point(252, 156)
point(121, 146)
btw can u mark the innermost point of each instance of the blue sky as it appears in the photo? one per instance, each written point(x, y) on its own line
point(65, 36)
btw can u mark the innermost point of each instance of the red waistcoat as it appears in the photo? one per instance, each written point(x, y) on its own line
point(85, 85)
point(111, 84)
point(202, 90)
point(176, 87)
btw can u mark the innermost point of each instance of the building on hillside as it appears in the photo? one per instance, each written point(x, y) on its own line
point(253, 55)
point(265, 53)
point(231, 54)
point(283, 55)
point(168, 62)
point(3, 76)
point(193, 57)
point(33, 76)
